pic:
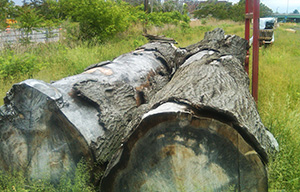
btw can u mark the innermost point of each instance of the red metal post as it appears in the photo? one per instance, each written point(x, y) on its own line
point(247, 21)
point(247, 32)
point(255, 54)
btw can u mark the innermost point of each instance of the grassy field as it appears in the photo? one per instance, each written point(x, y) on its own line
point(279, 80)
point(279, 105)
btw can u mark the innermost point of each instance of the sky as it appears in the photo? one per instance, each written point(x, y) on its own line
point(279, 5)
point(282, 6)
point(18, 2)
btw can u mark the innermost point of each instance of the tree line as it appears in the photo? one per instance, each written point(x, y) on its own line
point(102, 19)
point(227, 10)
point(96, 19)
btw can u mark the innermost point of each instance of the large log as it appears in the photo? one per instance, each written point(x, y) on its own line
point(203, 132)
point(45, 129)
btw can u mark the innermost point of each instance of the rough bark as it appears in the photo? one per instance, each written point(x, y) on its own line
point(203, 133)
point(45, 129)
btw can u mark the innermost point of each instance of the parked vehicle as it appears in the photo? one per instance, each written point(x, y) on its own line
point(266, 30)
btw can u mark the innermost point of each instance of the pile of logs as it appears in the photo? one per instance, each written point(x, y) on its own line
point(160, 118)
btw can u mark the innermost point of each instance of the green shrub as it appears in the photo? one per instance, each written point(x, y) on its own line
point(29, 19)
point(98, 19)
point(162, 18)
point(12, 66)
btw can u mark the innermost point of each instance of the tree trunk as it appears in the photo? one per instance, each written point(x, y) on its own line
point(128, 114)
point(203, 132)
point(45, 129)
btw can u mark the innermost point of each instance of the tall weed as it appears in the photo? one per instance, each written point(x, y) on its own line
point(79, 182)
point(13, 65)
point(279, 106)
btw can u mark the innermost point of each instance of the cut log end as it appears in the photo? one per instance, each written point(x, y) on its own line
point(171, 152)
point(42, 142)
point(203, 133)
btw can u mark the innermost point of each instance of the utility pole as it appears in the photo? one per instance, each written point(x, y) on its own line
point(146, 12)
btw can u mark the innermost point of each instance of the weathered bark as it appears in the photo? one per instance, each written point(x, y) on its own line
point(154, 38)
point(203, 133)
point(45, 129)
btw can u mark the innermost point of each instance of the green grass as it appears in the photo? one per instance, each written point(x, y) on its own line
point(79, 182)
point(279, 83)
point(58, 60)
point(279, 106)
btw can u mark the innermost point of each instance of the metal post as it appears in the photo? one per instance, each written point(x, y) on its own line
point(255, 55)
point(247, 21)
point(247, 32)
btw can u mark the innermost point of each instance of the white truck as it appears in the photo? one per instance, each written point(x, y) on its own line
point(266, 30)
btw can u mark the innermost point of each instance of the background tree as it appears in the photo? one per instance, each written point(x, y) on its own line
point(7, 10)
point(155, 6)
point(215, 9)
point(237, 12)
point(227, 10)
point(172, 5)
point(135, 2)
point(35, 3)
point(296, 11)
point(48, 8)
point(98, 19)
point(265, 11)
point(29, 19)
